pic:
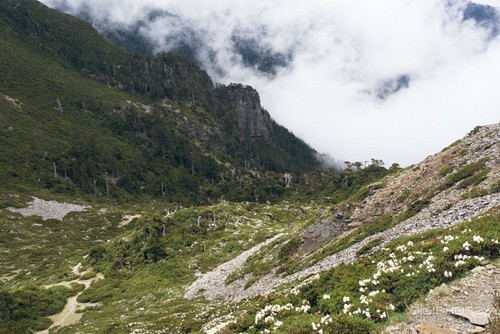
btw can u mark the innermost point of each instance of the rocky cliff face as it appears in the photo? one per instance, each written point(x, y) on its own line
point(243, 105)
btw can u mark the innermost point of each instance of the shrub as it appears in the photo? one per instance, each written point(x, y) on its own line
point(463, 173)
point(446, 170)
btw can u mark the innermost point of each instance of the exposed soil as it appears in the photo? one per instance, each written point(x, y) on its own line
point(127, 219)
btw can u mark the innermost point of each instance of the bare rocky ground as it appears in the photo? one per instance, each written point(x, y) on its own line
point(49, 209)
point(470, 299)
point(213, 283)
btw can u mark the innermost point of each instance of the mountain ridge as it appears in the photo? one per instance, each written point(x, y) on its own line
point(160, 112)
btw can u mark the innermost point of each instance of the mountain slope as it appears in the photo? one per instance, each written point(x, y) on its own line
point(80, 114)
point(448, 188)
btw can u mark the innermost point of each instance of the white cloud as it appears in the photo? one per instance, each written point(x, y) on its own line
point(342, 51)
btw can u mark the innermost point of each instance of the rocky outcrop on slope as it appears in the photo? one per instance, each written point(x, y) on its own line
point(417, 183)
point(243, 104)
point(321, 232)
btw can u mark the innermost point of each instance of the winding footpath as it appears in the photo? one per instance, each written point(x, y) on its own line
point(72, 310)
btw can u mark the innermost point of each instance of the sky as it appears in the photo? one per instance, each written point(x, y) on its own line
point(342, 55)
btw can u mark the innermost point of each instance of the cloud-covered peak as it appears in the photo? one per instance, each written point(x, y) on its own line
point(429, 65)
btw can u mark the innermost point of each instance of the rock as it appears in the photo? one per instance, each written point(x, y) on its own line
point(477, 269)
point(477, 330)
point(442, 290)
point(392, 329)
point(475, 318)
point(321, 232)
point(427, 329)
point(355, 224)
point(490, 267)
point(245, 106)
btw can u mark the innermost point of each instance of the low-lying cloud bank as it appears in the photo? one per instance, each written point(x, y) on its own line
point(361, 79)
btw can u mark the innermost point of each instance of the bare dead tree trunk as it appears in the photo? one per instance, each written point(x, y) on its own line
point(106, 180)
point(26, 160)
point(55, 169)
point(163, 189)
point(59, 107)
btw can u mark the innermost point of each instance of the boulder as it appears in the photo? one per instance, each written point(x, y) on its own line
point(321, 232)
point(427, 329)
point(474, 317)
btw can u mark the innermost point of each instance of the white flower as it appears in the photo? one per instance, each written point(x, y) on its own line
point(326, 296)
point(346, 299)
point(448, 274)
point(478, 239)
point(445, 249)
point(466, 245)
point(326, 320)
point(304, 308)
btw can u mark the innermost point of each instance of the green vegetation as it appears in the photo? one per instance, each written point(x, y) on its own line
point(466, 174)
point(395, 277)
point(126, 134)
point(82, 117)
point(26, 309)
point(446, 170)
point(369, 245)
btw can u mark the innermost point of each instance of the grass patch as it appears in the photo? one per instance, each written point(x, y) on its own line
point(464, 173)
point(372, 243)
point(446, 170)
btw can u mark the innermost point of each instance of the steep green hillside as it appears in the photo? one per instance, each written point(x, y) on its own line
point(80, 115)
